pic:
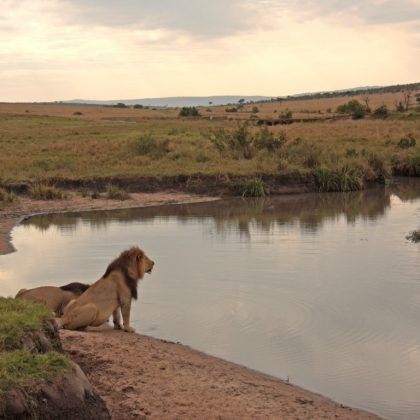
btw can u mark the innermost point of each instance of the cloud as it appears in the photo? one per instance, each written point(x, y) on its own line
point(204, 18)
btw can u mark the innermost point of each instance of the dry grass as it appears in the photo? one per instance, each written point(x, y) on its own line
point(49, 142)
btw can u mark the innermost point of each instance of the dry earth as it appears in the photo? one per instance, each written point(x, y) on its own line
point(143, 377)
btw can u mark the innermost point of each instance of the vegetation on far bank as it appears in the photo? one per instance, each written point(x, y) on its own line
point(339, 154)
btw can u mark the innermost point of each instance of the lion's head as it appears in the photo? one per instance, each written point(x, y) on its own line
point(135, 261)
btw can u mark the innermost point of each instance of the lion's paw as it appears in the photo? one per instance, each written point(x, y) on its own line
point(129, 329)
point(118, 327)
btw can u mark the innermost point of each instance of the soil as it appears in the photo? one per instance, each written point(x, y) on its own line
point(143, 377)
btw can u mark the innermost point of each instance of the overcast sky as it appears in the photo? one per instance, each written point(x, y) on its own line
point(109, 49)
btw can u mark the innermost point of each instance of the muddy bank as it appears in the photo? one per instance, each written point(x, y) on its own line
point(24, 207)
point(142, 377)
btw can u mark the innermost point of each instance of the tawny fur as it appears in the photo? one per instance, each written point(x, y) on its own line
point(56, 298)
point(110, 294)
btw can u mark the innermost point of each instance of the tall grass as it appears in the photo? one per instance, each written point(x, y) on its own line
point(250, 188)
point(45, 192)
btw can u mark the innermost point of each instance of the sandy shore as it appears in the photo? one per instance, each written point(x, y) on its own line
point(142, 377)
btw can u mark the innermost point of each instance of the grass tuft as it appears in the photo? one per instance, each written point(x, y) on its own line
point(250, 188)
point(115, 193)
point(20, 368)
point(17, 317)
point(45, 192)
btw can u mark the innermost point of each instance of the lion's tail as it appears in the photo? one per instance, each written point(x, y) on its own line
point(20, 293)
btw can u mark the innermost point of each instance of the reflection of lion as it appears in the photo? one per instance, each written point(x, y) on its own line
point(109, 294)
point(56, 298)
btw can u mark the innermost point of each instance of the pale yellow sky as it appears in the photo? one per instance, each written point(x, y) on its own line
point(62, 49)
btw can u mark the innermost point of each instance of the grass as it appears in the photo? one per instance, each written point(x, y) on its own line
point(250, 188)
point(20, 368)
point(45, 192)
point(116, 193)
point(49, 143)
point(17, 317)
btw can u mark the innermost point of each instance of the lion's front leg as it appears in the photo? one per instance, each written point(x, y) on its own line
point(125, 311)
point(116, 317)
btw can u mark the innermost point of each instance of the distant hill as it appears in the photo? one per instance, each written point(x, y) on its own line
point(180, 101)
point(174, 102)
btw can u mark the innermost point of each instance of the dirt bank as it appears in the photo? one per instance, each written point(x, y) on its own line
point(142, 377)
point(24, 207)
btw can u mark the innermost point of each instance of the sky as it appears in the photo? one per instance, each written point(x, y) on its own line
point(126, 49)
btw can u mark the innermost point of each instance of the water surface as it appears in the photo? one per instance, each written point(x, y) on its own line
point(321, 288)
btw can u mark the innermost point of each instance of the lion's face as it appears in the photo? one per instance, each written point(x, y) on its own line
point(143, 263)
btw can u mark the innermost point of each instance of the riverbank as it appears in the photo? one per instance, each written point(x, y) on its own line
point(25, 207)
point(143, 377)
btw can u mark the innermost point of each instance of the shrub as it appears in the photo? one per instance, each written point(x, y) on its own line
point(381, 112)
point(354, 108)
point(77, 113)
point(45, 192)
point(189, 111)
point(120, 105)
point(255, 110)
point(115, 193)
point(232, 109)
point(286, 115)
point(138, 106)
point(250, 188)
point(399, 107)
point(407, 142)
point(266, 139)
point(148, 145)
point(351, 153)
point(239, 141)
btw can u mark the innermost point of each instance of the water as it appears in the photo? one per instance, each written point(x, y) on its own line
point(323, 289)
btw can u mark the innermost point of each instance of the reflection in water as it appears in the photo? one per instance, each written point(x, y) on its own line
point(323, 288)
point(307, 211)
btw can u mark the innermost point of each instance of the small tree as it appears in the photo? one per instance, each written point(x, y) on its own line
point(255, 110)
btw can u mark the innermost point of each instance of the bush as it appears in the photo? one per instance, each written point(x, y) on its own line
point(77, 113)
point(45, 192)
point(286, 115)
point(250, 188)
point(232, 109)
point(381, 112)
point(120, 105)
point(239, 141)
point(354, 108)
point(148, 145)
point(255, 110)
point(243, 143)
point(407, 142)
point(266, 139)
point(115, 193)
point(138, 106)
point(399, 107)
point(189, 111)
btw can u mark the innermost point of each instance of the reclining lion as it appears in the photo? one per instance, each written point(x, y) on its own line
point(109, 294)
point(56, 298)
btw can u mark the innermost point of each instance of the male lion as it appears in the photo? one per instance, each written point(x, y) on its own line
point(110, 293)
point(56, 298)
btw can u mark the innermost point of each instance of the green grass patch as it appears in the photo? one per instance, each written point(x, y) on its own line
point(338, 180)
point(250, 188)
point(20, 368)
point(6, 196)
point(17, 317)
